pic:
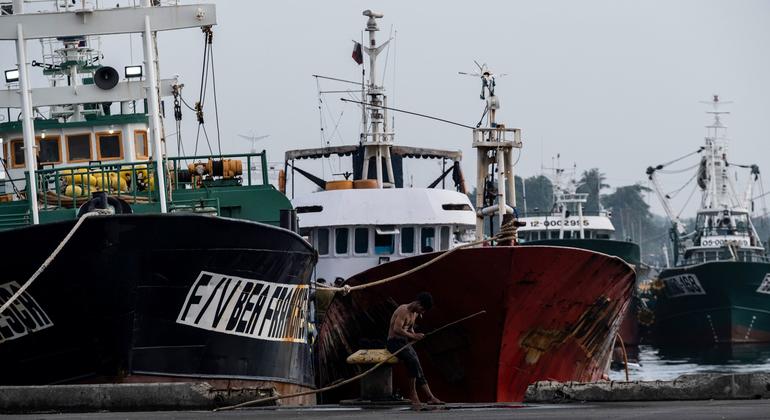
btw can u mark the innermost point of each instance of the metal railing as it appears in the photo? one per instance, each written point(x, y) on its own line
point(177, 164)
point(65, 187)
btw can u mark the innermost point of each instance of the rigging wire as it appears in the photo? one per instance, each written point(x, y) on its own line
point(700, 149)
point(678, 190)
point(214, 86)
point(320, 112)
point(678, 171)
point(387, 54)
point(695, 188)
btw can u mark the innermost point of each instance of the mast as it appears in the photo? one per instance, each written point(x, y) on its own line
point(716, 194)
point(28, 129)
point(376, 142)
point(494, 144)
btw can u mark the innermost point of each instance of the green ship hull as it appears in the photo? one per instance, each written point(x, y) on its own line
point(628, 251)
point(720, 302)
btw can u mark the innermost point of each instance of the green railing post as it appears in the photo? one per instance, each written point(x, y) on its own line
point(263, 155)
point(248, 169)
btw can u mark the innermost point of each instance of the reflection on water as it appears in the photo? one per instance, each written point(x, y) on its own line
point(669, 363)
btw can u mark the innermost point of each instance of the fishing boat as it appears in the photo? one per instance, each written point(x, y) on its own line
point(717, 293)
point(151, 268)
point(373, 226)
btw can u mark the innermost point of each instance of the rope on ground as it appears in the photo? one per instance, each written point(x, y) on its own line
point(507, 233)
point(346, 381)
point(47, 262)
point(625, 355)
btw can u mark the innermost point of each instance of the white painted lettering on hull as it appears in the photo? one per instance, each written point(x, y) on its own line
point(683, 285)
point(248, 308)
point(23, 317)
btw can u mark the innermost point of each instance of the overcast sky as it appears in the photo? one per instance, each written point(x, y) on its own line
point(608, 84)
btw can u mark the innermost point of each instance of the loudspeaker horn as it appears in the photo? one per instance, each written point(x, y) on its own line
point(106, 77)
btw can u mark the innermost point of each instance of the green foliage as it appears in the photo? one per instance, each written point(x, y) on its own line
point(592, 183)
point(630, 213)
point(539, 194)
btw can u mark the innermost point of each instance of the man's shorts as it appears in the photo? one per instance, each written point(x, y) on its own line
point(409, 357)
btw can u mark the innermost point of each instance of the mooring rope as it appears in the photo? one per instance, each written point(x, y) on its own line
point(625, 355)
point(349, 380)
point(48, 260)
point(507, 233)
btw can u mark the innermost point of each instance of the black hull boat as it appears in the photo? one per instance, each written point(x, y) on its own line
point(157, 298)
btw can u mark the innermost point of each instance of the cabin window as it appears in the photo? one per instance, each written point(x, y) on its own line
point(49, 150)
point(17, 153)
point(140, 145)
point(341, 240)
point(567, 234)
point(322, 241)
point(384, 244)
point(407, 240)
point(362, 240)
point(427, 239)
point(79, 148)
point(554, 234)
point(108, 146)
point(444, 238)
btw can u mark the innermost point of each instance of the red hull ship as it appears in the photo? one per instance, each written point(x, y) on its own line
point(552, 313)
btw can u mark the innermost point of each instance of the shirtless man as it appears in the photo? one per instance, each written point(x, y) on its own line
point(401, 331)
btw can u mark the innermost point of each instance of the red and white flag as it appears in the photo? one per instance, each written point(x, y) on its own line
point(358, 53)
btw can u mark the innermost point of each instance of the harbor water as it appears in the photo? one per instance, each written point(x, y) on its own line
point(670, 363)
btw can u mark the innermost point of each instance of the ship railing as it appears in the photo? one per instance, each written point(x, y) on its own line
point(539, 213)
point(254, 169)
point(70, 187)
point(497, 136)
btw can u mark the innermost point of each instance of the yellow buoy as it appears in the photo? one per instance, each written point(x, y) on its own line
point(73, 191)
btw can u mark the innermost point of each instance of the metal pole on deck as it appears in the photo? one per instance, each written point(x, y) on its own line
point(28, 129)
point(149, 60)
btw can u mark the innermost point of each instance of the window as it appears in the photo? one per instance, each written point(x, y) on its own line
point(427, 239)
point(17, 153)
point(554, 234)
point(384, 244)
point(362, 240)
point(108, 146)
point(567, 234)
point(322, 241)
point(49, 150)
point(140, 145)
point(444, 238)
point(79, 148)
point(341, 240)
point(407, 240)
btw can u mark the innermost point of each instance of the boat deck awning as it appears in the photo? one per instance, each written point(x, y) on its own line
point(404, 151)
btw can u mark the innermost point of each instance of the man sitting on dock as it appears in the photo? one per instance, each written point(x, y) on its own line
point(400, 332)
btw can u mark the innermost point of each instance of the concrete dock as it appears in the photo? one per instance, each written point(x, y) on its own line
point(680, 410)
point(702, 396)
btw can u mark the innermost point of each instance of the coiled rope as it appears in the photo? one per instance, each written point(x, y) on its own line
point(48, 260)
point(507, 233)
point(349, 380)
